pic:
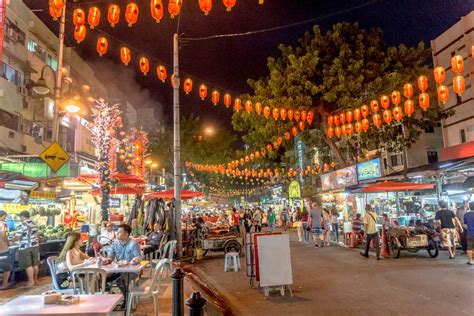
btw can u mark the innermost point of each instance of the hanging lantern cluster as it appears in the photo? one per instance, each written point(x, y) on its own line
point(56, 8)
point(457, 65)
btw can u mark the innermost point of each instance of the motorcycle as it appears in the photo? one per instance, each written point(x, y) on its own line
point(421, 238)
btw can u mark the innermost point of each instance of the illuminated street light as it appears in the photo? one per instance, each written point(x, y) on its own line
point(209, 131)
point(148, 162)
point(154, 165)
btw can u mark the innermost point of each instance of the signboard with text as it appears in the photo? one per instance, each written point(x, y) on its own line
point(369, 170)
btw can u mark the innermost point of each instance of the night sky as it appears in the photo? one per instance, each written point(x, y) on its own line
point(228, 63)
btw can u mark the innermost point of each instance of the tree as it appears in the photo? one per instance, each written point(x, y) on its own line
point(341, 69)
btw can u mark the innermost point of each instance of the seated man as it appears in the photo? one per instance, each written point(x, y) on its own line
point(107, 235)
point(154, 239)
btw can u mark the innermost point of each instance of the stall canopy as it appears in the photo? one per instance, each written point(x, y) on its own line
point(391, 186)
point(121, 178)
point(169, 194)
point(121, 190)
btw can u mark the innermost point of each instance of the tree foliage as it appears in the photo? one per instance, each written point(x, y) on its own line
point(340, 69)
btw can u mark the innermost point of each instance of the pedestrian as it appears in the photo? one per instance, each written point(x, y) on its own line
point(284, 217)
point(28, 256)
point(335, 223)
point(5, 259)
point(315, 222)
point(257, 220)
point(469, 221)
point(296, 218)
point(305, 228)
point(370, 225)
point(357, 224)
point(236, 219)
point(460, 215)
point(448, 221)
point(326, 227)
point(271, 219)
point(247, 221)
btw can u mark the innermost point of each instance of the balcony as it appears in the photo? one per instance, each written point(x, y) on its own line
point(11, 98)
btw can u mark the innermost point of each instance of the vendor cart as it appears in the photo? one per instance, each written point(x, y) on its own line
point(226, 243)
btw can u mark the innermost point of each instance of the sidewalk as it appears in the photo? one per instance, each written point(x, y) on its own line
point(338, 281)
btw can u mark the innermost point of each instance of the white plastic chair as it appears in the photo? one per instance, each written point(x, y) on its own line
point(89, 281)
point(150, 290)
point(53, 270)
point(232, 260)
point(168, 248)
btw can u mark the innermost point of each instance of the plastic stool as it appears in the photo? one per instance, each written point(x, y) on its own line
point(232, 260)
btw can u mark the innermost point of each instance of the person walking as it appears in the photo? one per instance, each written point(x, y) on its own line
point(315, 222)
point(370, 225)
point(460, 215)
point(304, 224)
point(326, 227)
point(284, 218)
point(335, 223)
point(5, 259)
point(28, 256)
point(271, 219)
point(296, 218)
point(247, 221)
point(469, 221)
point(257, 220)
point(236, 219)
point(448, 221)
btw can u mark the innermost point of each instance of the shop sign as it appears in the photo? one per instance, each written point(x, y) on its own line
point(299, 150)
point(294, 190)
point(114, 202)
point(43, 195)
point(339, 179)
point(11, 208)
point(33, 169)
point(54, 156)
point(369, 170)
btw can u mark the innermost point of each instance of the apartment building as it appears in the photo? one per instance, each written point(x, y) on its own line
point(25, 117)
point(458, 130)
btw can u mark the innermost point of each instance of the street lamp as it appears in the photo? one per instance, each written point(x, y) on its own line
point(209, 131)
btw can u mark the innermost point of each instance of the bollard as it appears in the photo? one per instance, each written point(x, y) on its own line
point(178, 297)
point(196, 304)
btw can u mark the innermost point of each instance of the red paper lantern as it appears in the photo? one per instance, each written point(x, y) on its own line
point(358, 127)
point(377, 120)
point(78, 17)
point(80, 33)
point(349, 116)
point(364, 110)
point(269, 148)
point(258, 108)
point(294, 131)
point(409, 107)
point(365, 124)
point(357, 114)
point(342, 117)
point(422, 83)
point(227, 100)
point(330, 132)
point(310, 117)
point(58, 4)
point(396, 98)
point(55, 11)
point(113, 14)
point(287, 135)
point(283, 113)
point(443, 94)
point(439, 74)
point(125, 55)
point(188, 86)
point(387, 116)
point(338, 131)
point(205, 6)
point(408, 90)
point(144, 65)
point(458, 85)
point(304, 115)
point(156, 9)
point(202, 91)
point(215, 97)
point(174, 6)
point(263, 151)
point(330, 120)
point(131, 13)
point(161, 73)
point(102, 45)
point(397, 113)
point(385, 102)
point(424, 101)
point(457, 64)
point(291, 114)
point(248, 106)
point(276, 113)
point(266, 112)
point(297, 115)
point(374, 106)
point(349, 129)
point(229, 4)
point(301, 125)
point(343, 130)
point(279, 141)
point(93, 17)
point(337, 120)
point(172, 81)
point(237, 104)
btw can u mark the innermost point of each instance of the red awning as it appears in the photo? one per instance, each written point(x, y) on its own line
point(121, 178)
point(390, 186)
point(169, 194)
point(121, 190)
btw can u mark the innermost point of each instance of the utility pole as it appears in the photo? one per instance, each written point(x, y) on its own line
point(176, 148)
point(59, 74)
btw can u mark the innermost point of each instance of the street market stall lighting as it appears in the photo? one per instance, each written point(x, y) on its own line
point(71, 106)
point(154, 165)
point(40, 87)
point(148, 162)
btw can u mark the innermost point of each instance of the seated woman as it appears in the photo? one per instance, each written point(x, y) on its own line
point(154, 239)
point(70, 258)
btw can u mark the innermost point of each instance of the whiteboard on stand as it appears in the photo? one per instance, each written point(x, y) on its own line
point(274, 260)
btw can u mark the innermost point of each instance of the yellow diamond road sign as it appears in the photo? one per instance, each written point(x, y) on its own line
point(54, 156)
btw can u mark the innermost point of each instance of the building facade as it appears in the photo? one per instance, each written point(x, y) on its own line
point(458, 130)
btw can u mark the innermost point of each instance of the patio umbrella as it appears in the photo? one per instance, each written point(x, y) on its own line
point(121, 190)
point(392, 186)
point(169, 194)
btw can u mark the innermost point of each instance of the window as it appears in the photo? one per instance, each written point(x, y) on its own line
point(32, 45)
point(396, 160)
point(23, 148)
point(12, 75)
point(11, 134)
point(52, 61)
point(36, 48)
point(432, 156)
point(14, 33)
point(463, 136)
point(9, 120)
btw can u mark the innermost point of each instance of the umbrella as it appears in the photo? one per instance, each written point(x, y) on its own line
point(168, 194)
point(121, 190)
point(391, 186)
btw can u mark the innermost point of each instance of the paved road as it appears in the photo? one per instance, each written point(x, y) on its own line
point(338, 281)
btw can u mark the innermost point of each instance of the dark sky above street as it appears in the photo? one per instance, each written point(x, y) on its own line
point(227, 63)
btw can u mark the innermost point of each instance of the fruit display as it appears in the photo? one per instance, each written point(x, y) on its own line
point(48, 232)
point(45, 211)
